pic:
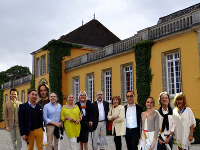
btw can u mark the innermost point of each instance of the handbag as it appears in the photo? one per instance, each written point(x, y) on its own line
point(109, 128)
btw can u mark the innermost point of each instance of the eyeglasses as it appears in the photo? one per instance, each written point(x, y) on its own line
point(129, 96)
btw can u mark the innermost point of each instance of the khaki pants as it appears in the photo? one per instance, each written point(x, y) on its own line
point(35, 135)
point(15, 136)
point(50, 137)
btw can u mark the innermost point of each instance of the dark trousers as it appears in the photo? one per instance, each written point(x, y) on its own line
point(118, 142)
point(132, 138)
point(159, 147)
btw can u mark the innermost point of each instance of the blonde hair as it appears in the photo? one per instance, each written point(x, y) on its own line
point(80, 95)
point(180, 96)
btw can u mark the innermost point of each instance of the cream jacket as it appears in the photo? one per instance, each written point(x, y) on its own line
point(119, 124)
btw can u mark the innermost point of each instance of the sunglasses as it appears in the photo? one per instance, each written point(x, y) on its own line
point(129, 96)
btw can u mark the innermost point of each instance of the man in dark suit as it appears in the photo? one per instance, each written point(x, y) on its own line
point(100, 112)
point(31, 121)
point(133, 113)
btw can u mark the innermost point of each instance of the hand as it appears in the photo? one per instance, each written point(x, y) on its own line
point(70, 119)
point(167, 140)
point(77, 121)
point(151, 148)
point(90, 123)
point(113, 118)
point(190, 138)
point(160, 141)
point(58, 124)
point(24, 137)
point(7, 129)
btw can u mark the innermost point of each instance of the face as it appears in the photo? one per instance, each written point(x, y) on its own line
point(149, 103)
point(13, 95)
point(99, 96)
point(82, 97)
point(115, 102)
point(53, 98)
point(43, 91)
point(164, 100)
point(180, 103)
point(33, 96)
point(130, 97)
point(70, 99)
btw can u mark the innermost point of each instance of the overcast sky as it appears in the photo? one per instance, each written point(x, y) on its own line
point(26, 26)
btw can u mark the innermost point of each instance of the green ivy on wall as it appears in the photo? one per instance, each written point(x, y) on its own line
point(143, 71)
point(57, 50)
point(33, 82)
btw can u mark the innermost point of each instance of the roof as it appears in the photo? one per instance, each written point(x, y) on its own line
point(92, 33)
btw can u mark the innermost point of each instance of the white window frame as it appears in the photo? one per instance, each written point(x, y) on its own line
point(42, 65)
point(174, 84)
point(23, 96)
point(108, 85)
point(76, 89)
point(37, 67)
point(128, 70)
point(91, 87)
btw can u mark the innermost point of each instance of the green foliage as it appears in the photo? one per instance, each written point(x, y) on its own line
point(197, 132)
point(143, 71)
point(33, 82)
point(57, 50)
point(1, 103)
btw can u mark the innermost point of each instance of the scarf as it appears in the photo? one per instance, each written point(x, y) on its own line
point(165, 123)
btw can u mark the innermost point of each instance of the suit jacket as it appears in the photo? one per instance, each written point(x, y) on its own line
point(9, 113)
point(95, 113)
point(139, 110)
point(24, 115)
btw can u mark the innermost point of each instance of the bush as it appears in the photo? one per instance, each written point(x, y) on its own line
point(197, 132)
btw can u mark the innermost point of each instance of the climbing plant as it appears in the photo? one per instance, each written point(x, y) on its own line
point(57, 50)
point(33, 82)
point(142, 51)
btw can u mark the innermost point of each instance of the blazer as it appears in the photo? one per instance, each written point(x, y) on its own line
point(9, 113)
point(139, 110)
point(95, 113)
point(119, 124)
point(24, 116)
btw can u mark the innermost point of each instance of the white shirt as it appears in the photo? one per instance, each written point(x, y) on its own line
point(131, 117)
point(101, 110)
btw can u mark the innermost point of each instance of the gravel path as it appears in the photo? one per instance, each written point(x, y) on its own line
point(5, 143)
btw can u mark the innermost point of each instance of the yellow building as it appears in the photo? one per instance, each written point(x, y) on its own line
point(107, 63)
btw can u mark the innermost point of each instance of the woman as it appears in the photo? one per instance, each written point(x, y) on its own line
point(185, 121)
point(117, 115)
point(166, 122)
point(71, 116)
point(150, 123)
point(85, 108)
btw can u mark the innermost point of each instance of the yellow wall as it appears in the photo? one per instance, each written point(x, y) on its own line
point(188, 45)
point(113, 63)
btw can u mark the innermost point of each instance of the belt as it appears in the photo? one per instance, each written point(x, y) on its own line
point(130, 129)
point(166, 134)
point(102, 120)
point(36, 129)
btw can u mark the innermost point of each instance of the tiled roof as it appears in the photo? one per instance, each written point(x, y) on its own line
point(92, 33)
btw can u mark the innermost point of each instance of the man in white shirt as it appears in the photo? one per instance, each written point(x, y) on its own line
point(100, 112)
point(133, 122)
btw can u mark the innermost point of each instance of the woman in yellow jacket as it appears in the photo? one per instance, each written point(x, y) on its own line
point(117, 115)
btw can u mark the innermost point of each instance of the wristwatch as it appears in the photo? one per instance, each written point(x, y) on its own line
point(191, 134)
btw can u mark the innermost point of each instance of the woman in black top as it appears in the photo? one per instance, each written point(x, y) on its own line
point(85, 107)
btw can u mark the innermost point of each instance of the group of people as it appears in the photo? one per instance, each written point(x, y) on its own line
point(146, 130)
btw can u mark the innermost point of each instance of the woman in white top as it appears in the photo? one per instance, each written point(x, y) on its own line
point(166, 122)
point(117, 115)
point(185, 122)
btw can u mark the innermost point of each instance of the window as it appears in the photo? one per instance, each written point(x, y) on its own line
point(23, 96)
point(75, 88)
point(42, 65)
point(91, 87)
point(6, 98)
point(108, 85)
point(48, 63)
point(37, 67)
point(173, 73)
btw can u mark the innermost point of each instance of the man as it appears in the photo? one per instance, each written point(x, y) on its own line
point(11, 119)
point(51, 115)
point(31, 121)
point(133, 122)
point(100, 112)
point(43, 92)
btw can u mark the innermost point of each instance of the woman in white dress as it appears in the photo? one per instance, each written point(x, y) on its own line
point(150, 124)
point(185, 121)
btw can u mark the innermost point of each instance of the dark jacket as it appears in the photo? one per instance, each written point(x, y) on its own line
point(24, 116)
point(139, 110)
point(95, 113)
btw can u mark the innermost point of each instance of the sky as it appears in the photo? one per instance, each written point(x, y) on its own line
point(26, 26)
